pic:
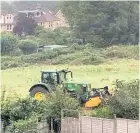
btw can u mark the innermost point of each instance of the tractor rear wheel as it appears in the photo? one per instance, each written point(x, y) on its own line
point(39, 93)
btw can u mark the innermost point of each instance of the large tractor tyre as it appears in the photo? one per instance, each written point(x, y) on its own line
point(39, 93)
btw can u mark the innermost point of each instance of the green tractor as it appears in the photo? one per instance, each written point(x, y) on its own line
point(52, 79)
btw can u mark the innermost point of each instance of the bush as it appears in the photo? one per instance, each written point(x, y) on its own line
point(28, 125)
point(8, 43)
point(125, 102)
point(16, 52)
point(28, 46)
point(74, 55)
point(56, 101)
point(19, 111)
point(122, 52)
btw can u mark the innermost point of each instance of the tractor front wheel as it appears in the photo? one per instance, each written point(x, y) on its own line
point(39, 93)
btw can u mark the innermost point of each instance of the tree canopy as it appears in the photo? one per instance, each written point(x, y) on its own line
point(103, 22)
point(24, 25)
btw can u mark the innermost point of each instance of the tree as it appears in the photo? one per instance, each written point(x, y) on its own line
point(103, 22)
point(8, 43)
point(25, 25)
point(8, 6)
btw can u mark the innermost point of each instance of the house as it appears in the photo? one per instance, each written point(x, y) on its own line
point(6, 21)
point(62, 22)
point(47, 19)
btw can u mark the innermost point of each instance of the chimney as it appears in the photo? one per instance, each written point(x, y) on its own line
point(38, 6)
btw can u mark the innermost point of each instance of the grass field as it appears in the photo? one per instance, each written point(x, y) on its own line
point(20, 79)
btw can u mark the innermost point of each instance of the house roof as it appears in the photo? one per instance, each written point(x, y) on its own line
point(27, 11)
point(46, 17)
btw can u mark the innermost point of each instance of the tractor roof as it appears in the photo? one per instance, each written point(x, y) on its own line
point(52, 70)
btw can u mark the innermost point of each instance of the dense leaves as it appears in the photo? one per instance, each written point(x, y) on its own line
point(125, 102)
point(103, 22)
point(28, 46)
point(8, 43)
point(23, 111)
point(24, 25)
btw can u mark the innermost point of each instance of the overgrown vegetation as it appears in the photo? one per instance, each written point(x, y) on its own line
point(125, 101)
point(110, 31)
point(25, 112)
point(72, 55)
point(8, 43)
point(103, 23)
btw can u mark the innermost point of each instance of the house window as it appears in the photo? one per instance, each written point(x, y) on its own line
point(49, 24)
point(42, 23)
point(9, 27)
point(7, 16)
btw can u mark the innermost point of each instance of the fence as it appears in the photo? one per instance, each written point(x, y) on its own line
point(85, 124)
point(99, 125)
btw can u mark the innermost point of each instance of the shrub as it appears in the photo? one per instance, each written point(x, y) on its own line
point(16, 52)
point(8, 43)
point(20, 111)
point(103, 112)
point(28, 46)
point(28, 125)
point(125, 102)
point(56, 101)
point(122, 52)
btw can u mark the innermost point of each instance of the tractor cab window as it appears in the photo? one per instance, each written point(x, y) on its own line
point(45, 77)
point(49, 77)
point(62, 76)
point(54, 76)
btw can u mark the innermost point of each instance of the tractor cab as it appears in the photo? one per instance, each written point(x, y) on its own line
point(55, 76)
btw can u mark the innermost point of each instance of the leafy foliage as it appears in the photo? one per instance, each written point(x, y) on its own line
point(8, 43)
point(23, 112)
point(25, 25)
point(28, 125)
point(28, 46)
point(56, 101)
point(73, 55)
point(125, 102)
point(103, 23)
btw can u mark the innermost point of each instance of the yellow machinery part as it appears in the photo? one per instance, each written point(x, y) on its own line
point(93, 102)
point(39, 96)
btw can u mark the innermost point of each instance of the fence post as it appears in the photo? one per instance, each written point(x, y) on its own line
point(91, 125)
point(127, 126)
point(102, 125)
point(80, 123)
point(115, 124)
